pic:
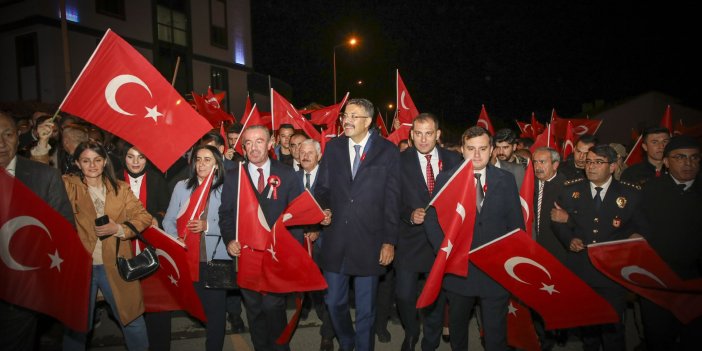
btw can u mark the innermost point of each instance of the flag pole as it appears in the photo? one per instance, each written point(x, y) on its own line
point(175, 71)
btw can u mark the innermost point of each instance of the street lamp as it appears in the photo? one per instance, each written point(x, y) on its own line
point(351, 42)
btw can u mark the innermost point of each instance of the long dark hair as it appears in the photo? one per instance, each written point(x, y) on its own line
point(219, 172)
point(108, 173)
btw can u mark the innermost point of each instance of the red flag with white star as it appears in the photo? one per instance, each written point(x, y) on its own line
point(533, 275)
point(121, 92)
point(44, 266)
point(520, 327)
point(170, 288)
point(455, 209)
point(406, 110)
point(635, 265)
point(484, 121)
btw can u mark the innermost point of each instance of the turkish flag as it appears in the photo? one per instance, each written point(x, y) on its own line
point(380, 123)
point(679, 128)
point(170, 288)
point(121, 92)
point(252, 118)
point(520, 327)
point(536, 125)
point(484, 121)
point(569, 141)
point(581, 126)
point(247, 107)
point(328, 115)
point(210, 108)
point(636, 154)
point(406, 111)
point(400, 134)
point(526, 198)
point(542, 282)
point(44, 267)
point(455, 209)
point(667, 120)
point(525, 129)
point(546, 139)
point(635, 265)
point(283, 112)
point(252, 229)
point(194, 209)
point(303, 210)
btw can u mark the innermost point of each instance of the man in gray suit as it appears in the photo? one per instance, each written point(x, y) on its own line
point(18, 325)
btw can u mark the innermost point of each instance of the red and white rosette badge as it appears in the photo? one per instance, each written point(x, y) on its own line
point(274, 182)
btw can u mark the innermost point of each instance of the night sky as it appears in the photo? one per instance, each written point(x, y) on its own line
point(513, 56)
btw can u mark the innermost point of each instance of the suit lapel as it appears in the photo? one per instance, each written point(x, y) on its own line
point(417, 170)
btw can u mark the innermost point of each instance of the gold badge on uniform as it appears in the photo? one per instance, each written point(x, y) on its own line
point(616, 222)
point(621, 201)
point(576, 194)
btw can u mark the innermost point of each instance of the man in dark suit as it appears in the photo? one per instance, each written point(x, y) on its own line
point(672, 203)
point(265, 312)
point(599, 209)
point(19, 325)
point(359, 185)
point(420, 165)
point(498, 213)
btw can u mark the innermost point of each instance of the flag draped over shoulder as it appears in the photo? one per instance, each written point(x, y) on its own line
point(122, 93)
point(635, 265)
point(542, 282)
point(455, 209)
point(170, 288)
point(44, 266)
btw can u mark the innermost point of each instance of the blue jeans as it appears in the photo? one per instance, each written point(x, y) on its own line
point(134, 333)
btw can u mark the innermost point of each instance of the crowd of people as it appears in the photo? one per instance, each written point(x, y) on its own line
point(378, 240)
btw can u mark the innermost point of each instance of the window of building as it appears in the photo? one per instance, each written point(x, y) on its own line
point(219, 81)
point(112, 8)
point(218, 23)
point(172, 25)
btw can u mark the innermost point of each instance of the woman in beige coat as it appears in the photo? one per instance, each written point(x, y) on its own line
point(95, 192)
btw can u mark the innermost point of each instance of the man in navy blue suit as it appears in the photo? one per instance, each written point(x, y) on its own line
point(420, 165)
point(498, 212)
point(265, 312)
point(359, 185)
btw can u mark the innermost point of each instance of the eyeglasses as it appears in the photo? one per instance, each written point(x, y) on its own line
point(682, 158)
point(343, 116)
point(596, 162)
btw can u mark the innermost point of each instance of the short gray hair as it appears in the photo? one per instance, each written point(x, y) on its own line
point(315, 143)
point(555, 156)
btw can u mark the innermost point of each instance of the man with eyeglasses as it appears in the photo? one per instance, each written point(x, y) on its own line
point(673, 204)
point(359, 186)
point(654, 141)
point(599, 209)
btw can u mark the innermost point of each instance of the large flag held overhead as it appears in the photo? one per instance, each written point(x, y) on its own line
point(328, 115)
point(44, 267)
point(542, 282)
point(170, 288)
point(484, 121)
point(406, 110)
point(455, 209)
point(194, 208)
point(121, 92)
point(635, 265)
point(283, 112)
point(581, 126)
point(209, 107)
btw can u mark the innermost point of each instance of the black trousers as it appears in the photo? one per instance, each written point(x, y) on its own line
point(158, 328)
point(494, 319)
point(18, 327)
point(214, 304)
point(661, 329)
point(407, 290)
point(609, 336)
point(267, 319)
point(384, 299)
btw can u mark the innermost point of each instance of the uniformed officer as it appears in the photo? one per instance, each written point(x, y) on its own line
point(598, 209)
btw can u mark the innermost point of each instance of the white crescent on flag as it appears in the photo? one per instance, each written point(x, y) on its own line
point(114, 85)
point(8, 230)
point(627, 271)
point(513, 262)
point(168, 258)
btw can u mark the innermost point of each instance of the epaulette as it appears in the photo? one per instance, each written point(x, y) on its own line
point(631, 185)
point(573, 181)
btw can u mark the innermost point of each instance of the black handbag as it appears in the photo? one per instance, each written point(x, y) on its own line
point(139, 266)
point(219, 274)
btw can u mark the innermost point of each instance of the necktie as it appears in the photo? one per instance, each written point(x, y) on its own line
point(356, 160)
point(430, 175)
point(682, 187)
point(538, 205)
point(261, 182)
point(307, 180)
point(480, 195)
point(658, 173)
point(598, 199)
